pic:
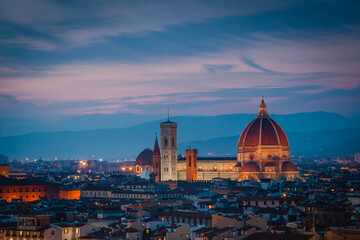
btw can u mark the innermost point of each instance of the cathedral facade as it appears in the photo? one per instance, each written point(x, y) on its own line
point(262, 152)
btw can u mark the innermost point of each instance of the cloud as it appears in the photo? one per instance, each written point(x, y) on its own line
point(332, 53)
point(251, 63)
point(184, 54)
point(217, 68)
point(83, 23)
point(30, 43)
point(101, 81)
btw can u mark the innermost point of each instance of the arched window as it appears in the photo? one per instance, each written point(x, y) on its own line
point(189, 161)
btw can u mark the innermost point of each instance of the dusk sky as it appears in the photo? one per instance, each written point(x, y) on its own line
point(192, 57)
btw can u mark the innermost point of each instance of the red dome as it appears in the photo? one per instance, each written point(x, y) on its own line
point(144, 158)
point(250, 167)
point(289, 167)
point(263, 130)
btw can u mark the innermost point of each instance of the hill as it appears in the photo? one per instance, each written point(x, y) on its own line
point(306, 131)
point(222, 124)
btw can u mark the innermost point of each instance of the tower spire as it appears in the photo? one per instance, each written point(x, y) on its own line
point(262, 108)
point(156, 158)
point(156, 147)
point(168, 115)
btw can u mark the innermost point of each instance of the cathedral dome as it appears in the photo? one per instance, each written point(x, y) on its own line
point(250, 167)
point(263, 130)
point(144, 158)
point(289, 167)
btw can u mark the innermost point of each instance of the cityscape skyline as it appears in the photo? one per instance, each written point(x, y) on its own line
point(179, 120)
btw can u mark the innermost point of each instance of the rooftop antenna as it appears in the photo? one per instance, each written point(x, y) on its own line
point(168, 115)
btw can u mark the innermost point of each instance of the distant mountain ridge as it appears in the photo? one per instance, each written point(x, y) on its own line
point(326, 128)
point(312, 121)
point(21, 126)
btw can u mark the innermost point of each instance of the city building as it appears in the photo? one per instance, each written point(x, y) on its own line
point(4, 170)
point(28, 227)
point(357, 157)
point(26, 190)
point(156, 158)
point(263, 152)
point(169, 151)
point(144, 161)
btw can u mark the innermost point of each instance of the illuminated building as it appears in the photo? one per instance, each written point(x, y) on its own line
point(263, 152)
point(191, 164)
point(168, 150)
point(4, 170)
point(144, 161)
point(69, 194)
point(27, 190)
point(28, 227)
point(31, 227)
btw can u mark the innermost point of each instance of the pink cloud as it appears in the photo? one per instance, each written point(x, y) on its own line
point(293, 64)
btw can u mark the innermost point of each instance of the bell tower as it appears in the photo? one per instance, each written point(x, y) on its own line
point(168, 150)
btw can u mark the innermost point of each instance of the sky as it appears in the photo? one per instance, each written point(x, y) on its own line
point(71, 58)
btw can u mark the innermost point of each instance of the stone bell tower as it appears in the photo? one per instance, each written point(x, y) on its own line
point(168, 150)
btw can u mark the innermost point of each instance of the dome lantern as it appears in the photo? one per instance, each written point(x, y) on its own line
point(262, 108)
